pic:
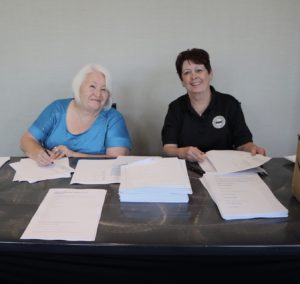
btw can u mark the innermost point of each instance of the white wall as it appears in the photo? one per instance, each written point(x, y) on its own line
point(254, 47)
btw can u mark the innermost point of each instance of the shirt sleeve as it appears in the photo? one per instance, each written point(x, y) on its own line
point(117, 133)
point(42, 126)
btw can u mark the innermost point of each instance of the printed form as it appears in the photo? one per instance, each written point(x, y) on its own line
point(67, 214)
point(242, 196)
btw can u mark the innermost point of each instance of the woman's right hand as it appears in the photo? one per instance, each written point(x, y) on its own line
point(43, 157)
point(192, 154)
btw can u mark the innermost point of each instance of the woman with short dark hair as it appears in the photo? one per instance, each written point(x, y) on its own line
point(203, 119)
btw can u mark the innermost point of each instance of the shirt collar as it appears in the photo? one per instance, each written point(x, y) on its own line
point(209, 107)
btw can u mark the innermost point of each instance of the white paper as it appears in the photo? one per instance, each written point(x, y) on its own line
point(207, 166)
point(28, 170)
point(3, 160)
point(95, 172)
point(229, 161)
point(242, 196)
point(166, 172)
point(126, 160)
point(291, 158)
point(161, 198)
point(104, 171)
point(67, 214)
point(150, 180)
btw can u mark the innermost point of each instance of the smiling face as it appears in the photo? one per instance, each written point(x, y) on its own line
point(93, 92)
point(195, 78)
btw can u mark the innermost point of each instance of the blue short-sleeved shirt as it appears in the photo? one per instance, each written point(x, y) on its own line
point(108, 130)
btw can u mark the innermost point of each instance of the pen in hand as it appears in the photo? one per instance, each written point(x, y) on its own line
point(46, 151)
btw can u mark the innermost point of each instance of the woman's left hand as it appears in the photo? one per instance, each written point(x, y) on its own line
point(253, 149)
point(61, 151)
point(258, 150)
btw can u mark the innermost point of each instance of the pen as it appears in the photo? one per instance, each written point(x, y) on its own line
point(48, 154)
point(194, 167)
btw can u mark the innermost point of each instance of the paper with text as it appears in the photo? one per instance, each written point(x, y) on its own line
point(242, 196)
point(67, 214)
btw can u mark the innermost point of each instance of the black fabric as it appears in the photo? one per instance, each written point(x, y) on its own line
point(184, 127)
point(49, 268)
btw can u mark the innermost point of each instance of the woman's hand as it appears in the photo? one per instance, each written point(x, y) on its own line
point(43, 157)
point(61, 151)
point(192, 154)
point(252, 148)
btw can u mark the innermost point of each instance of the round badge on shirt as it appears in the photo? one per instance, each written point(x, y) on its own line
point(219, 121)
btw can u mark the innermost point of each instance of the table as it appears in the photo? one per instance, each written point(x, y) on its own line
point(138, 239)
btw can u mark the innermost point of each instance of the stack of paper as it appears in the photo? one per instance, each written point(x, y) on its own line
point(28, 170)
point(242, 196)
point(155, 180)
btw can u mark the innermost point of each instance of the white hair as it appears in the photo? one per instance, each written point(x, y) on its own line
point(80, 77)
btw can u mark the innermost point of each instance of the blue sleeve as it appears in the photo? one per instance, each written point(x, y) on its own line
point(117, 133)
point(42, 126)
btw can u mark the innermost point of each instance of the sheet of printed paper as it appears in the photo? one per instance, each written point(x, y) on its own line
point(67, 214)
point(28, 170)
point(242, 196)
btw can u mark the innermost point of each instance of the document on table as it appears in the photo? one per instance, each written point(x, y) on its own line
point(229, 161)
point(102, 171)
point(28, 170)
point(242, 196)
point(95, 172)
point(67, 214)
point(3, 160)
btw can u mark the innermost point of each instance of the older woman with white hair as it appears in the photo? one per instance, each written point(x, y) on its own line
point(83, 126)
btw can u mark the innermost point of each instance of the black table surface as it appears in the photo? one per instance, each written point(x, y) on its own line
point(192, 228)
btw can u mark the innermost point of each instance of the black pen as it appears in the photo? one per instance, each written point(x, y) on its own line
point(48, 154)
point(194, 167)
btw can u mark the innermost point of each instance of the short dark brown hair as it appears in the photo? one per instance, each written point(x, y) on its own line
point(196, 55)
